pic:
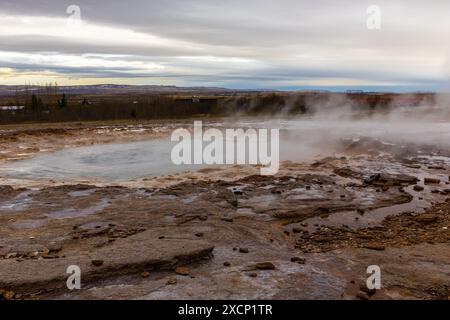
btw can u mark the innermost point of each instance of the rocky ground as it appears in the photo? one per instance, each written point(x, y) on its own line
point(310, 232)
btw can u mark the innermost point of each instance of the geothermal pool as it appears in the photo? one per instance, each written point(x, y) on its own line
point(117, 161)
point(300, 140)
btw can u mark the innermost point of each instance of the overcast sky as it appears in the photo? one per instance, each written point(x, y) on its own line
point(283, 44)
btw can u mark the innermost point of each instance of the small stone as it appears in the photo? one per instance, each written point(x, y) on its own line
point(375, 246)
point(227, 219)
point(54, 247)
point(265, 266)
point(436, 167)
point(418, 188)
point(97, 263)
point(427, 218)
point(226, 264)
point(8, 295)
point(243, 250)
point(184, 271)
point(296, 230)
point(431, 181)
point(253, 274)
point(298, 260)
point(199, 234)
point(171, 281)
point(145, 274)
point(413, 166)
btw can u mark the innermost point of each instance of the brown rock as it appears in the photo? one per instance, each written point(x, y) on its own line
point(431, 181)
point(374, 246)
point(243, 250)
point(8, 295)
point(145, 274)
point(427, 218)
point(171, 281)
point(265, 266)
point(97, 263)
point(298, 260)
point(418, 188)
point(54, 247)
point(184, 271)
point(296, 230)
point(436, 167)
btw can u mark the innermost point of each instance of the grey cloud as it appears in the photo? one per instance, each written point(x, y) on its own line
point(272, 33)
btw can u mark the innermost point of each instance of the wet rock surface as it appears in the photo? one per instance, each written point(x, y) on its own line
point(307, 233)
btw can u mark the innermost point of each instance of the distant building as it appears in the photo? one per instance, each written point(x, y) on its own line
point(11, 108)
point(355, 91)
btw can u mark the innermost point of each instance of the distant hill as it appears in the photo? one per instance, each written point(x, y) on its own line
point(114, 89)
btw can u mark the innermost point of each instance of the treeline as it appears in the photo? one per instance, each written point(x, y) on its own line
point(53, 106)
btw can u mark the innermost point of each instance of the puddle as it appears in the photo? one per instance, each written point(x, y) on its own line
point(250, 213)
point(30, 224)
point(370, 218)
point(307, 194)
point(73, 213)
point(189, 199)
point(18, 203)
point(81, 193)
point(258, 201)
